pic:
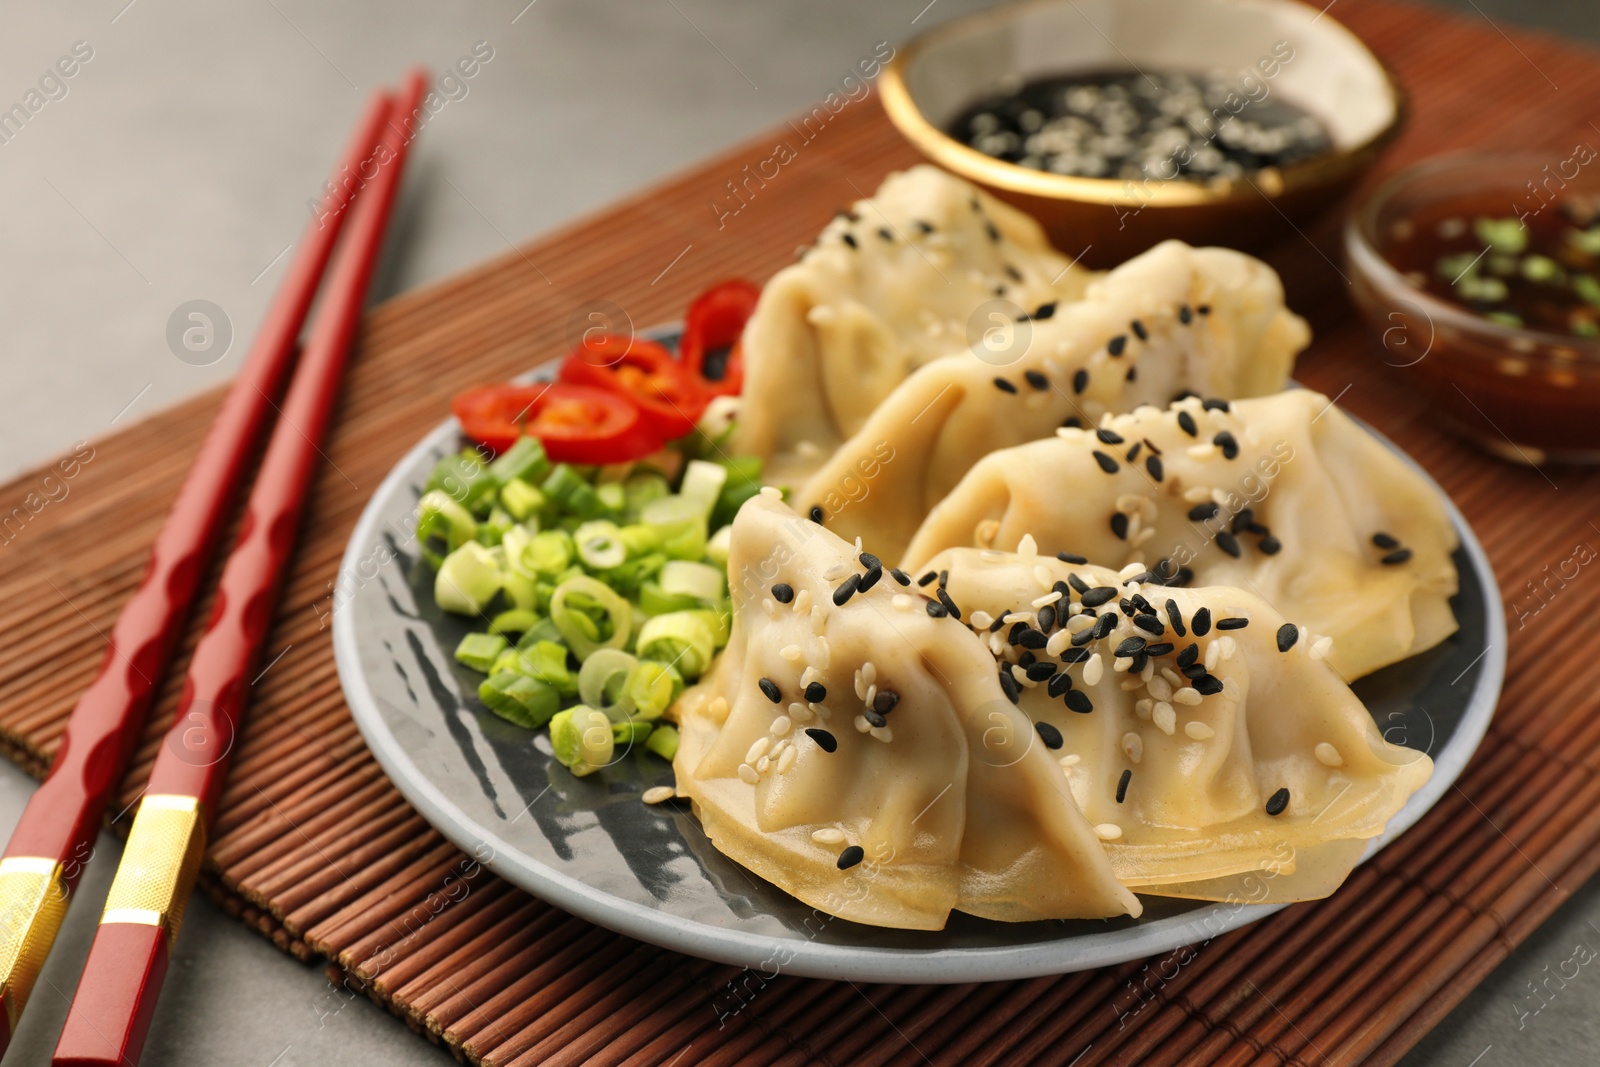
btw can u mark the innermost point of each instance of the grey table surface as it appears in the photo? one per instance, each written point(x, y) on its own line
point(176, 163)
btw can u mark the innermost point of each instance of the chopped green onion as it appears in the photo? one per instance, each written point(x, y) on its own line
point(720, 544)
point(522, 500)
point(465, 479)
point(699, 580)
point(734, 495)
point(612, 496)
point(524, 460)
point(493, 529)
point(467, 580)
point(596, 678)
point(550, 552)
point(519, 699)
point(672, 512)
point(440, 517)
point(580, 630)
point(702, 483)
point(663, 741)
point(582, 739)
point(683, 638)
point(600, 545)
point(642, 487)
point(654, 601)
point(515, 621)
point(567, 487)
point(478, 651)
point(639, 539)
point(547, 662)
point(653, 688)
point(1540, 268)
point(631, 732)
point(1508, 236)
point(1587, 288)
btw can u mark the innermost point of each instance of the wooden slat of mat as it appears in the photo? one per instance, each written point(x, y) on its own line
point(315, 849)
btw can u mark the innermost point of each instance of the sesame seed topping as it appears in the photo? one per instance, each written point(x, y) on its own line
point(1201, 622)
point(1385, 541)
point(926, 578)
point(1327, 755)
point(989, 228)
point(1100, 594)
point(825, 741)
point(937, 610)
point(1080, 380)
point(1010, 686)
point(1228, 443)
point(783, 592)
point(1138, 330)
point(1036, 379)
point(748, 775)
point(1203, 511)
point(855, 853)
point(1049, 735)
point(1153, 465)
point(1119, 525)
point(1077, 700)
point(1288, 634)
point(658, 794)
point(1044, 311)
point(1208, 685)
point(850, 239)
point(816, 514)
point(1175, 617)
point(885, 701)
point(1190, 653)
point(1133, 453)
point(1185, 315)
point(883, 232)
point(1130, 647)
point(1110, 437)
point(1399, 555)
point(1107, 831)
point(846, 590)
point(1229, 544)
point(1122, 785)
point(1059, 684)
point(1269, 545)
point(948, 604)
point(1186, 423)
point(1199, 730)
point(1117, 345)
point(1215, 403)
point(923, 228)
point(1068, 557)
point(1278, 802)
point(1204, 309)
point(828, 835)
point(1004, 385)
point(770, 688)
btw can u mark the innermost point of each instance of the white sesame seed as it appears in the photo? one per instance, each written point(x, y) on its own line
point(981, 620)
point(1128, 503)
point(1142, 707)
point(1021, 675)
point(1133, 746)
point(882, 733)
point(869, 673)
point(862, 725)
point(1164, 717)
point(1042, 575)
point(802, 601)
point(822, 710)
point(657, 794)
point(1131, 684)
point(1213, 655)
point(748, 775)
point(718, 709)
point(772, 491)
point(1093, 668)
point(1135, 528)
point(835, 572)
point(1130, 570)
point(769, 605)
point(781, 725)
point(1321, 647)
point(758, 748)
point(1230, 689)
point(778, 747)
point(1108, 831)
point(791, 653)
point(809, 675)
point(1160, 688)
point(1027, 548)
point(1198, 730)
point(1172, 676)
point(1142, 537)
point(1149, 670)
point(902, 602)
point(1229, 648)
point(828, 835)
point(1328, 756)
point(1039, 602)
point(786, 760)
point(1079, 623)
point(1204, 450)
point(1058, 642)
point(762, 764)
point(1196, 494)
point(1071, 759)
point(1121, 663)
point(1187, 695)
point(872, 695)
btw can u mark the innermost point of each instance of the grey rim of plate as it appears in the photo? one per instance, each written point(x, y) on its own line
point(811, 958)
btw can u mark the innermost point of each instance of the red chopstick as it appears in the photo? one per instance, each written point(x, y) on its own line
point(51, 844)
point(121, 981)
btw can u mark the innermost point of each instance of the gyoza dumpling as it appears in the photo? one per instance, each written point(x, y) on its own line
point(945, 800)
point(1207, 737)
point(887, 287)
point(1175, 319)
point(1283, 495)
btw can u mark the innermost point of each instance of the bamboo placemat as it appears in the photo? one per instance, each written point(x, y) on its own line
point(315, 849)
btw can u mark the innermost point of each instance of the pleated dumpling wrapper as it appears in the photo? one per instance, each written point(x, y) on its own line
point(888, 287)
point(1284, 496)
point(935, 809)
point(1209, 741)
point(1174, 319)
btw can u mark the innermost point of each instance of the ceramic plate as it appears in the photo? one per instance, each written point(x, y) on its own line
point(591, 847)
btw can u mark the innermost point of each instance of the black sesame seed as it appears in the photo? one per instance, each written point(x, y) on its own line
point(850, 239)
point(926, 578)
point(883, 231)
point(1150, 624)
point(1190, 653)
point(1072, 422)
point(1100, 594)
point(1243, 520)
point(1041, 670)
point(1138, 330)
point(1009, 685)
point(944, 579)
point(874, 719)
point(1117, 345)
point(783, 592)
point(869, 579)
point(1200, 622)
point(1278, 802)
point(1075, 655)
point(1399, 555)
point(1208, 685)
point(937, 610)
point(1153, 465)
point(1026, 659)
point(1185, 315)
point(1133, 453)
point(1131, 646)
point(1204, 309)
point(1080, 380)
point(975, 205)
point(1141, 578)
point(1228, 443)
point(1083, 636)
point(1047, 618)
point(989, 228)
point(900, 576)
point(1159, 649)
point(1215, 403)
point(869, 561)
point(1013, 273)
point(770, 688)
point(1288, 634)
point(993, 626)
point(1229, 544)
point(816, 693)
point(1082, 586)
point(885, 701)
point(1059, 684)
point(846, 590)
point(825, 741)
point(1017, 630)
point(1103, 628)
point(1109, 437)
point(851, 856)
point(1132, 375)
point(1077, 700)
point(1044, 311)
point(1036, 379)
point(816, 514)
point(949, 605)
point(1122, 785)
point(1186, 423)
point(1202, 511)
point(1004, 386)
point(1129, 608)
point(1385, 541)
point(1033, 639)
point(1049, 735)
point(1232, 623)
point(1119, 525)
point(1107, 463)
point(1175, 617)
point(1269, 545)
point(923, 228)
point(1142, 604)
point(1193, 671)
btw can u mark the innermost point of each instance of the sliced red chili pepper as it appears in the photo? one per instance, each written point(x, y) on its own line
point(575, 423)
point(710, 346)
point(644, 372)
